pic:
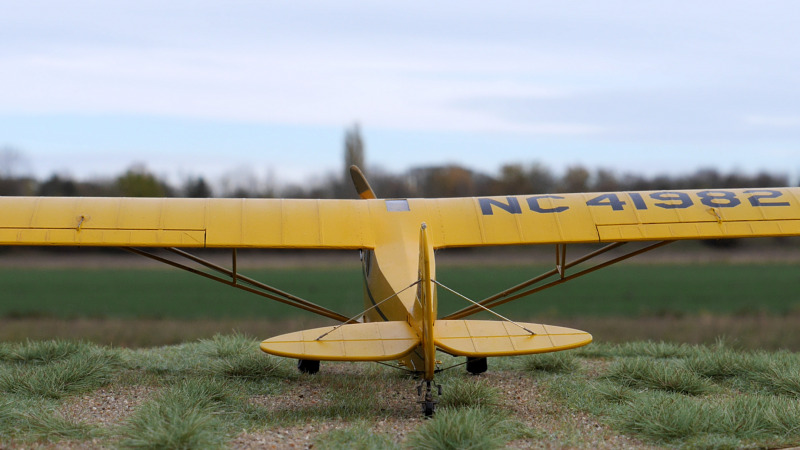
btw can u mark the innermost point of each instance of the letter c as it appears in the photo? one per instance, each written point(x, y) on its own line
point(533, 204)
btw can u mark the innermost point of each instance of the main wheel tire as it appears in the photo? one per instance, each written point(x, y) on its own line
point(477, 366)
point(308, 366)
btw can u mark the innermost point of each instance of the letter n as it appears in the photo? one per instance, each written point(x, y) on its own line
point(511, 207)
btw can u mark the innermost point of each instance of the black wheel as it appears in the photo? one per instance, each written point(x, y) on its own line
point(477, 365)
point(428, 407)
point(308, 366)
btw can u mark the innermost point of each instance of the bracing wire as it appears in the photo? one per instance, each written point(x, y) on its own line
point(369, 309)
point(485, 308)
point(394, 367)
point(451, 367)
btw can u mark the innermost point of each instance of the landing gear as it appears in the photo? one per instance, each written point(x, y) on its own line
point(308, 366)
point(427, 401)
point(477, 366)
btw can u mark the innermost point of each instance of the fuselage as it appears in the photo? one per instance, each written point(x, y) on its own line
point(401, 269)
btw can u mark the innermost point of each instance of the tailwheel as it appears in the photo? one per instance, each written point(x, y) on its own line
point(308, 366)
point(429, 408)
point(477, 366)
point(427, 401)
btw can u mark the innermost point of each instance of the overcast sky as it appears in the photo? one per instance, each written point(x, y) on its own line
point(196, 87)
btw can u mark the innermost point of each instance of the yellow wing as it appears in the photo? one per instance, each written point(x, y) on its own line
point(174, 222)
point(349, 224)
point(617, 216)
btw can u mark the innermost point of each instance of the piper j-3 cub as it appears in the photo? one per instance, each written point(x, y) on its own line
point(398, 239)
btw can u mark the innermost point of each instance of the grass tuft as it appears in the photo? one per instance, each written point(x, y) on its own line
point(672, 419)
point(557, 362)
point(250, 366)
point(669, 376)
point(614, 392)
point(357, 437)
point(473, 428)
point(42, 352)
point(53, 427)
point(718, 363)
point(461, 393)
point(777, 379)
point(663, 417)
point(228, 345)
point(713, 441)
point(34, 420)
point(79, 373)
point(193, 414)
point(660, 350)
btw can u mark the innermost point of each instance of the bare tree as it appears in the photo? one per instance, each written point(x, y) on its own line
point(12, 163)
point(575, 180)
point(196, 187)
point(605, 180)
point(353, 156)
point(353, 149)
point(137, 181)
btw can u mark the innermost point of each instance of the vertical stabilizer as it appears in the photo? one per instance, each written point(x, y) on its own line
point(426, 293)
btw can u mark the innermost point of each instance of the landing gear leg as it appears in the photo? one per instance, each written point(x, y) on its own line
point(308, 366)
point(477, 366)
point(427, 401)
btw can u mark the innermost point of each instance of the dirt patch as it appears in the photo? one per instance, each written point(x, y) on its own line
point(520, 395)
point(107, 407)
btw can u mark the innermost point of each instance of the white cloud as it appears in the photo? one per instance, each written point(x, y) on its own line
point(574, 74)
point(792, 122)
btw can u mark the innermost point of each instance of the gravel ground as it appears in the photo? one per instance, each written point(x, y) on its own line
point(559, 427)
point(109, 406)
point(520, 394)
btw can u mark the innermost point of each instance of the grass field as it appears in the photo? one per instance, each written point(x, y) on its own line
point(622, 291)
point(222, 392)
point(754, 304)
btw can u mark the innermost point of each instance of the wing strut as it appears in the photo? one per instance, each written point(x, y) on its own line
point(560, 270)
point(238, 281)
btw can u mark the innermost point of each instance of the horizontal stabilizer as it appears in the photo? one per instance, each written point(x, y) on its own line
point(482, 338)
point(374, 341)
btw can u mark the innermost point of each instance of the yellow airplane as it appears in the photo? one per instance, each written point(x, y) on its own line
point(398, 239)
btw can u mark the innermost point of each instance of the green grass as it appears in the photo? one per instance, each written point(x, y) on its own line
point(41, 352)
point(629, 290)
point(472, 427)
point(669, 376)
point(196, 413)
point(560, 362)
point(28, 418)
point(741, 419)
point(355, 437)
point(206, 393)
point(703, 397)
point(462, 393)
point(80, 373)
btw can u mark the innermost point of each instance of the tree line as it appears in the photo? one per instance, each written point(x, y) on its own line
point(437, 181)
point(451, 180)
